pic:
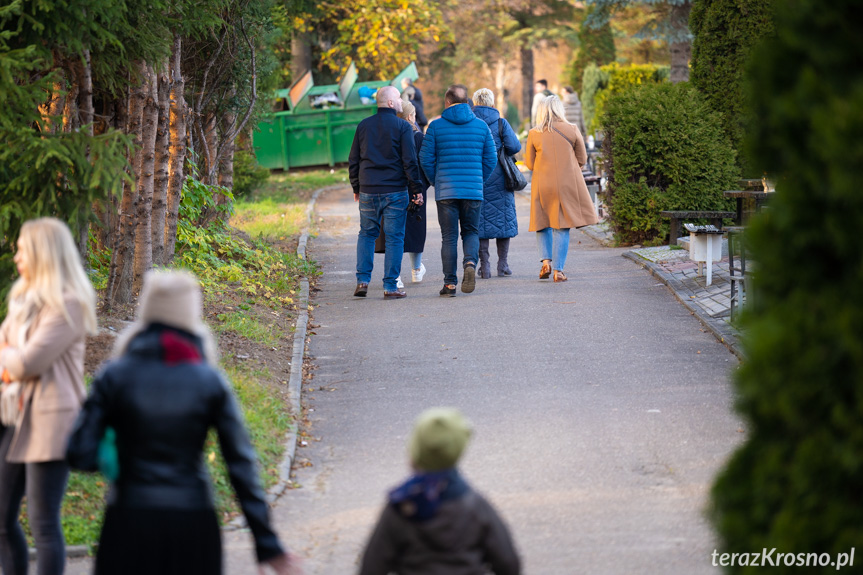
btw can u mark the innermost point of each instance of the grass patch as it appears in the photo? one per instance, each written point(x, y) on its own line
point(250, 328)
point(277, 209)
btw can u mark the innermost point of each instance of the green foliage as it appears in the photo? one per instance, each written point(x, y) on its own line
point(594, 80)
point(98, 262)
point(725, 32)
point(795, 483)
point(620, 78)
point(248, 175)
point(44, 173)
point(664, 149)
point(596, 46)
point(250, 328)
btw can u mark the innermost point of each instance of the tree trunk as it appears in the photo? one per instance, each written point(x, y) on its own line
point(56, 104)
point(680, 51)
point(177, 149)
point(301, 54)
point(163, 158)
point(226, 161)
point(120, 291)
point(85, 93)
point(144, 207)
point(499, 86)
point(211, 148)
point(526, 82)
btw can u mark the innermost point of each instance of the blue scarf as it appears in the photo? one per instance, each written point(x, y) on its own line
point(418, 498)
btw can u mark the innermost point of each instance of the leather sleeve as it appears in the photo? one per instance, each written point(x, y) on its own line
point(242, 468)
point(83, 448)
point(499, 549)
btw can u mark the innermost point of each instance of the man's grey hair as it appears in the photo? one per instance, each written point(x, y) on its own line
point(386, 94)
point(483, 97)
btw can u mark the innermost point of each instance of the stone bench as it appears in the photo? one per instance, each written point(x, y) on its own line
point(715, 217)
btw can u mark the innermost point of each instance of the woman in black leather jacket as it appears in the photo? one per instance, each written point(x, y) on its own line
point(161, 394)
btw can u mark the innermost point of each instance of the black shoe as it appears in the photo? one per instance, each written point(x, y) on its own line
point(448, 291)
point(362, 290)
point(398, 294)
point(468, 283)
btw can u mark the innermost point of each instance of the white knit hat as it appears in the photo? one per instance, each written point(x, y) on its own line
point(172, 298)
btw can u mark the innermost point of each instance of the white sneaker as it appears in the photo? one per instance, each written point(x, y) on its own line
point(417, 274)
point(399, 283)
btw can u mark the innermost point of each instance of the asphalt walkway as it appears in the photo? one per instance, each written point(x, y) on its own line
point(602, 407)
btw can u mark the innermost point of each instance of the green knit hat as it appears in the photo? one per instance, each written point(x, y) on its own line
point(440, 435)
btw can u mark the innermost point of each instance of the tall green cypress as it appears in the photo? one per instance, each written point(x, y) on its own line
point(725, 32)
point(796, 484)
point(597, 47)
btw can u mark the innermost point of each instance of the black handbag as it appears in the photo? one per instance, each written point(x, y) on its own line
point(513, 178)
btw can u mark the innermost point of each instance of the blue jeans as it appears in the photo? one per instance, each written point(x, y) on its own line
point(553, 245)
point(393, 209)
point(44, 484)
point(451, 213)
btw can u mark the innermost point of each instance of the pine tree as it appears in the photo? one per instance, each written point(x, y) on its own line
point(596, 47)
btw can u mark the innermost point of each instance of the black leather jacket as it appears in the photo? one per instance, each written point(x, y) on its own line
point(162, 398)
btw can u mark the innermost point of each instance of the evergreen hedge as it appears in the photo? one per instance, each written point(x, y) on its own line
point(725, 32)
point(664, 149)
point(616, 78)
point(593, 80)
point(797, 482)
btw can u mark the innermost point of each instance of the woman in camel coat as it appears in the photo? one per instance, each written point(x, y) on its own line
point(51, 309)
point(559, 200)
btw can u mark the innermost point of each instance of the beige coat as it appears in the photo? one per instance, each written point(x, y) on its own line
point(50, 367)
point(558, 194)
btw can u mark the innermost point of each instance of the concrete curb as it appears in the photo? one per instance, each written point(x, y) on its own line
point(295, 381)
point(720, 329)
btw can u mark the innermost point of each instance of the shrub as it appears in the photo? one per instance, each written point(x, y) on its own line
point(593, 81)
point(664, 150)
point(621, 78)
point(795, 484)
point(725, 32)
point(248, 175)
point(596, 47)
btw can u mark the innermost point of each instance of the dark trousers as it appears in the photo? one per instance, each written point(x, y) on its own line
point(452, 214)
point(44, 485)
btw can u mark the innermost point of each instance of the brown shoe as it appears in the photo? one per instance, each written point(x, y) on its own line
point(559, 276)
point(545, 270)
point(362, 290)
point(398, 294)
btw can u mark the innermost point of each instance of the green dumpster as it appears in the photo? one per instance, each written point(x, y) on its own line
point(315, 125)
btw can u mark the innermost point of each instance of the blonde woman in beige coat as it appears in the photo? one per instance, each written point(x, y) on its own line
point(51, 309)
point(559, 199)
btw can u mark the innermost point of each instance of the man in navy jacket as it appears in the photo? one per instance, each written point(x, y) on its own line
point(382, 167)
point(458, 155)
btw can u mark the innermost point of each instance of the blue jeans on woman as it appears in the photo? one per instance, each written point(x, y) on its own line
point(451, 214)
point(553, 245)
point(45, 485)
point(393, 209)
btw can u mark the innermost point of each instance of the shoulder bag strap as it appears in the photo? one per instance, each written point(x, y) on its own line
point(571, 143)
point(500, 131)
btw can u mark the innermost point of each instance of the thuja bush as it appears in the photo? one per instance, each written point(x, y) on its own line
point(664, 149)
point(796, 482)
point(724, 33)
point(619, 78)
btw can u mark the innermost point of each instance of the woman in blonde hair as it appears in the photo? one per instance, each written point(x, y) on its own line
point(559, 199)
point(161, 394)
point(51, 309)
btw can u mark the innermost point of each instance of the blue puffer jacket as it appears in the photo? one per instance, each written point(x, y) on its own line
point(497, 218)
point(458, 154)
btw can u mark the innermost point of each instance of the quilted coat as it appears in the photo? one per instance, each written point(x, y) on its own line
point(458, 154)
point(497, 218)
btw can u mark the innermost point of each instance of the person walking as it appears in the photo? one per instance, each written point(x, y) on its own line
point(558, 195)
point(51, 310)
point(458, 156)
point(540, 92)
point(572, 109)
point(412, 94)
point(415, 225)
point(435, 523)
point(382, 168)
point(497, 218)
point(161, 394)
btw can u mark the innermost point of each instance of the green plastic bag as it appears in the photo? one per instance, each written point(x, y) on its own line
point(109, 462)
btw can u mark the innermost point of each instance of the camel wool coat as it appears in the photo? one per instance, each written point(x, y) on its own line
point(50, 367)
point(558, 194)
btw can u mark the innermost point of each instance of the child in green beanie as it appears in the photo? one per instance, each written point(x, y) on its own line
point(434, 523)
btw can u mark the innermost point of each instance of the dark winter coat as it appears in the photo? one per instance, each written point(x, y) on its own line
point(161, 399)
point(497, 218)
point(458, 154)
point(462, 536)
point(383, 156)
point(415, 97)
point(415, 224)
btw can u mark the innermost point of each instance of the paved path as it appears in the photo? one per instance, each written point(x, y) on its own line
point(602, 408)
